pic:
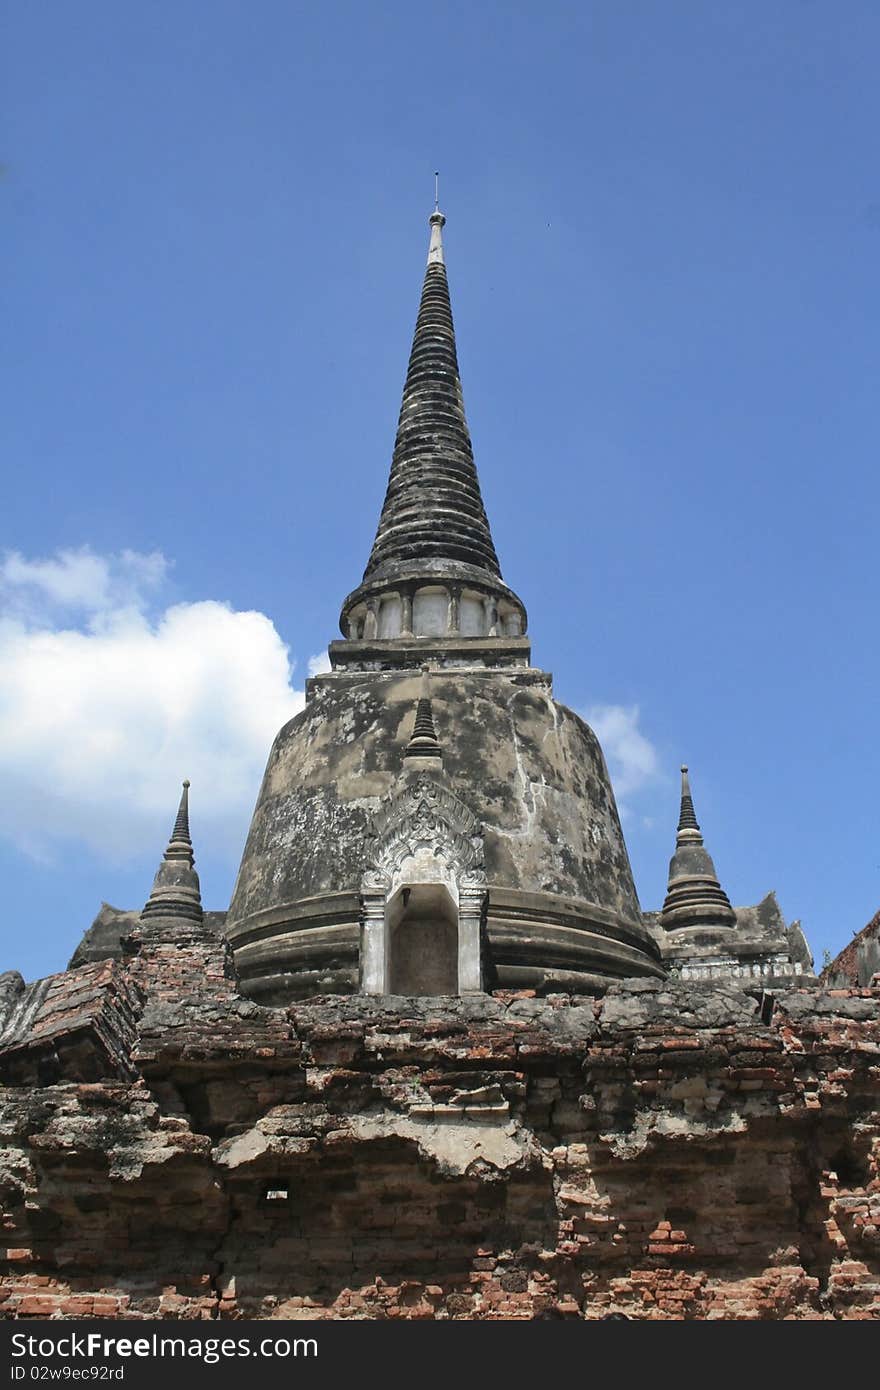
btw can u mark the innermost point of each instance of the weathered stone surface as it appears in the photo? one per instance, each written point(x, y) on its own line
point(535, 779)
point(12, 986)
point(859, 962)
point(760, 950)
point(104, 938)
point(664, 1151)
point(653, 1004)
point(79, 1024)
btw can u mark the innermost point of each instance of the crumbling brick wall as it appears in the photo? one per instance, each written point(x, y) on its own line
point(663, 1151)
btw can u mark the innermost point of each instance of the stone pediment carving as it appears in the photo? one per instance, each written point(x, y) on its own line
point(424, 816)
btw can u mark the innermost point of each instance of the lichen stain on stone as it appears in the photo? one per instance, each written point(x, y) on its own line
point(454, 1147)
point(517, 756)
point(661, 1151)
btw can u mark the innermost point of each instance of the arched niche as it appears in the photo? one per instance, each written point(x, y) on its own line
point(423, 894)
point(421, 923)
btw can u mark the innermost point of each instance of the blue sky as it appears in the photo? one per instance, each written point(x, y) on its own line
point(663, 243)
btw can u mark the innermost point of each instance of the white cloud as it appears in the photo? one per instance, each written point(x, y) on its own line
point(632, 758)
point(101, 719)
point(107, 701)
point(79, 580)
point(319, 664)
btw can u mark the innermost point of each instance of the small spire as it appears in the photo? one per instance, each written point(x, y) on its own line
point(694, 895)
point(423, 742)
point(424, 725)
point(176, 892)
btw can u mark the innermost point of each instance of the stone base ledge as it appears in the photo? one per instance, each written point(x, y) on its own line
point(544, 941)
point(402, 653)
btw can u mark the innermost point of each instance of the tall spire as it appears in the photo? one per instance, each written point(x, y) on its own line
point(433, 507)
point(176, 892)
point(433, 570)
point(695, 897)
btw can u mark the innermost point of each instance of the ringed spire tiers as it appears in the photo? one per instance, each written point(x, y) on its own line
point(433, 569)
point(423, 742)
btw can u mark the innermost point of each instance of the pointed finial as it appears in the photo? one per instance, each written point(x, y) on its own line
point(437, 221)
point(688, 826)
point(180, 844)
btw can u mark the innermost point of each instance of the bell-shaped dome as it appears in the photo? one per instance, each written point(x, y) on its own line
point(562, 911)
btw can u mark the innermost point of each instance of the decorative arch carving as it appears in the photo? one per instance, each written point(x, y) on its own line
point(424, 816)
point(426, 823)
